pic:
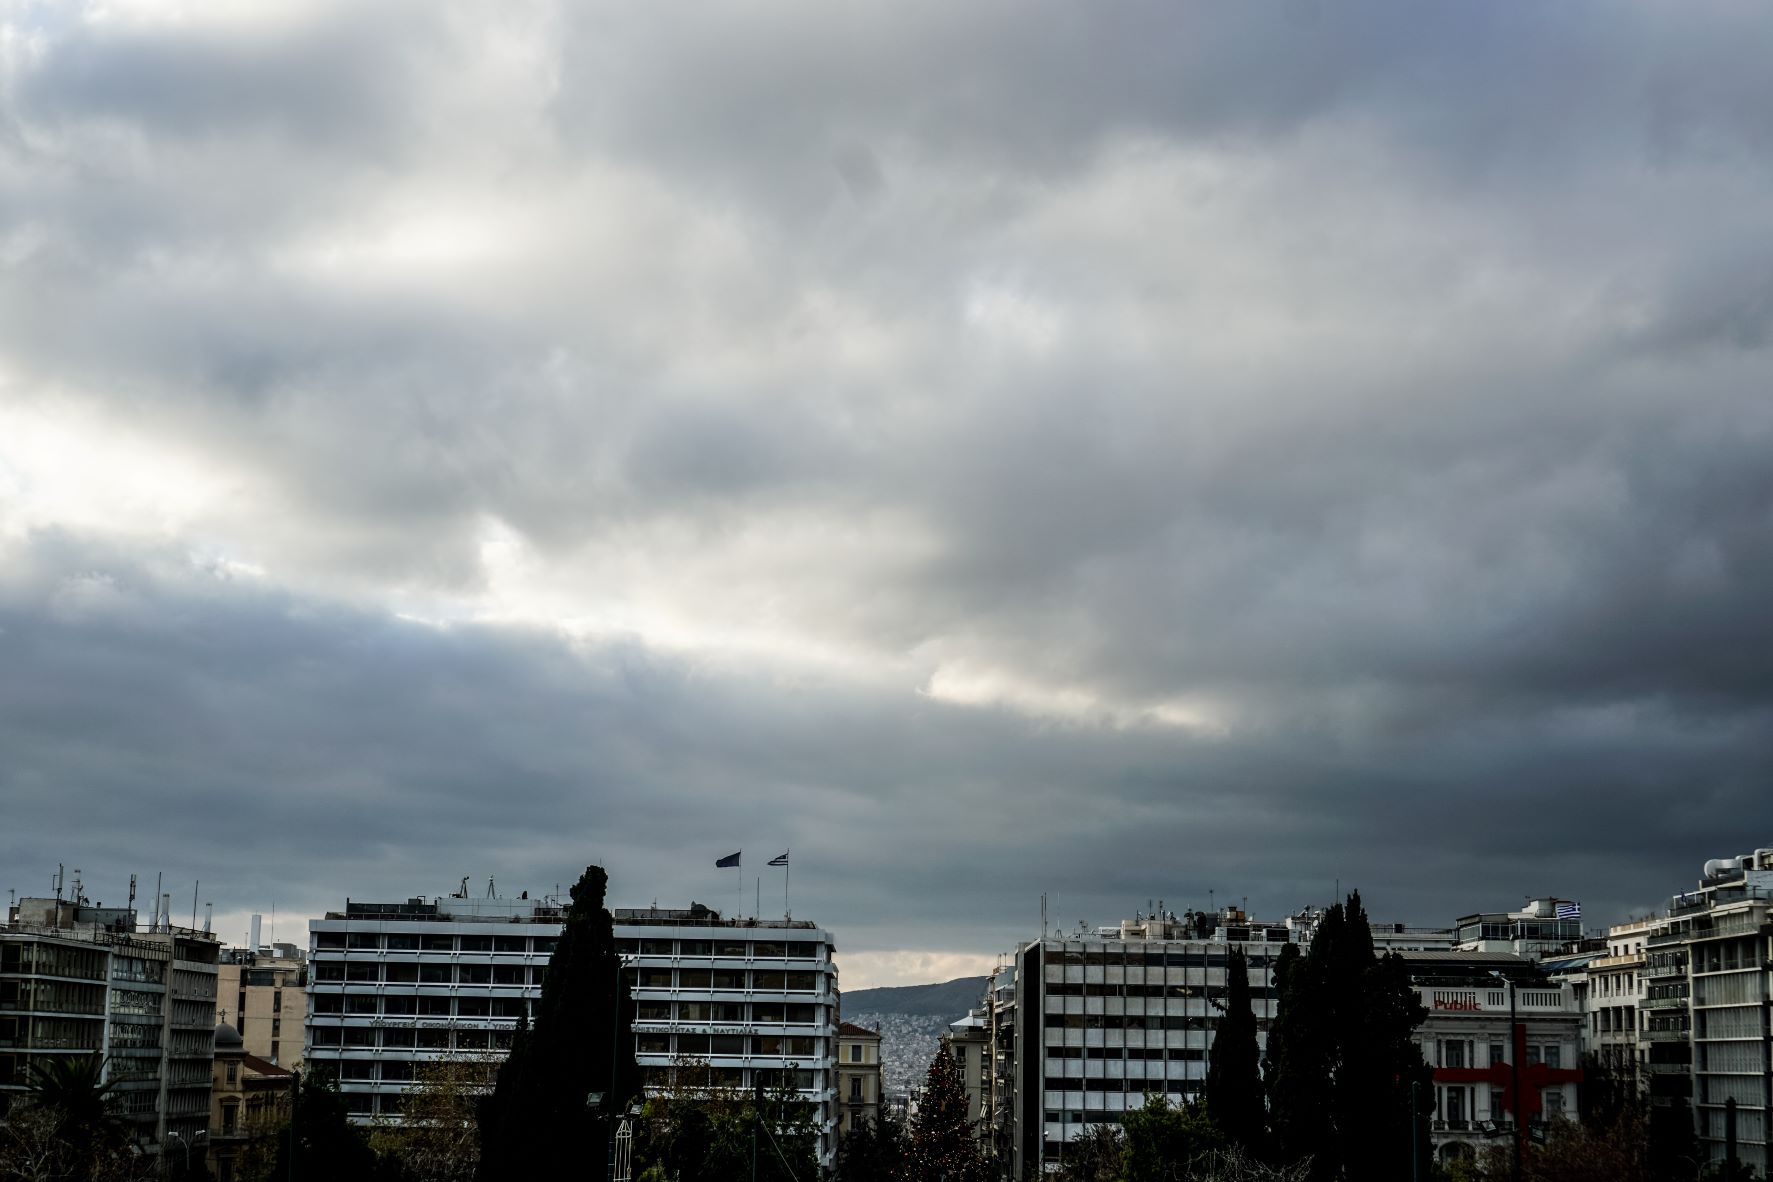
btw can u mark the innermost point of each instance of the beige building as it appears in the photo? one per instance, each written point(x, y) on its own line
point(968, 1041)
point(249, 1103)
point(858, 1077)
point(263, 995)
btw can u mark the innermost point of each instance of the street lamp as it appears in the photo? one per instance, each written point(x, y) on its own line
point(1514, 1068)
point(197, 1136)
point(611, 1098)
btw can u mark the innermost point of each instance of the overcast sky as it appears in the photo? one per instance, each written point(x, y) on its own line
point(1121, 451)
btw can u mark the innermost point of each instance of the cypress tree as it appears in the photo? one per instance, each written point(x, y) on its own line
point(1341, 1058)
point(1234, 1078)
point(1394, 1063)
point(538, 1123)
point(1297, 1067)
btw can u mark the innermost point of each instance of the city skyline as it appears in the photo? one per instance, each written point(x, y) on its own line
point(993, 451)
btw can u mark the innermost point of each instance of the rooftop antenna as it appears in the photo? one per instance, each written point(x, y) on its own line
point(79, 887)
point(461, 891)
point(489, 888)
point(132, 893)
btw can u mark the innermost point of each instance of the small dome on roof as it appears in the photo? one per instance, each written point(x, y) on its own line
point(227, 1037)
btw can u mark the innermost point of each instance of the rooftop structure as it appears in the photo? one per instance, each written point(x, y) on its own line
point(1544, 927)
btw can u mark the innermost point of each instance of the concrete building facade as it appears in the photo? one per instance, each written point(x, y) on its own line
point(392, 985)
point(263, 994)
point(80, 979)
point(1101, 1018)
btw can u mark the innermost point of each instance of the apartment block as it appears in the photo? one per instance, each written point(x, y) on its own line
point(1709, 985)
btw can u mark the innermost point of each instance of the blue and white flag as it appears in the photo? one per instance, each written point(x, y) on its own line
point(779, 860)
point(1569, 911)
point(729, 860)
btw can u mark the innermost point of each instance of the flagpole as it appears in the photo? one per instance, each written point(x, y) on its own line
point(787, 872)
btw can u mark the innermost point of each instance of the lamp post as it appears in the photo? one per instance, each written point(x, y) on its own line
point(1514, 1066)
point(611, 1098)
point(186, 1145)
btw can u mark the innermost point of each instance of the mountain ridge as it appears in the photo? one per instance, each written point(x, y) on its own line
point(945, 999)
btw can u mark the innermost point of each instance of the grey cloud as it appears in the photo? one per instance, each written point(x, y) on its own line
point(296, 750)
point(1390, 379)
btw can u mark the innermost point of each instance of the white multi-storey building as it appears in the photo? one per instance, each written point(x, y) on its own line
point(1615, 999)
point(395, 984)
point(1710, 986)
point(756, 999)
point(1101, 1019)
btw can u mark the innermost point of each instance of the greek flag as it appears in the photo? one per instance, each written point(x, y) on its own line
point(1569, 911)
point(779, 860)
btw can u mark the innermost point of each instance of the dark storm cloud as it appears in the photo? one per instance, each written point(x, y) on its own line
point(159, 717)
point(1118, 451)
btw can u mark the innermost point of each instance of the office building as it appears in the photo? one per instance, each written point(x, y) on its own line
point(392, 985)
point(1100, 1018)
point(78, 978)
point(757, 999)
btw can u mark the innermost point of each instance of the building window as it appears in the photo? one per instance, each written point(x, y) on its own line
point(855, 1087)
point(1553, 1056)
point(233, 1073)
point(855, 1052)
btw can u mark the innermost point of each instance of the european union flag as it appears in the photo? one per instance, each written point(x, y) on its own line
point(729, 860)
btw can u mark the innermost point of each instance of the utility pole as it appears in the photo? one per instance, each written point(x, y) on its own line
point(1516, 1043)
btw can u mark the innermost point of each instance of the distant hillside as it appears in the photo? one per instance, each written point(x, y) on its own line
point(949, 1000)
